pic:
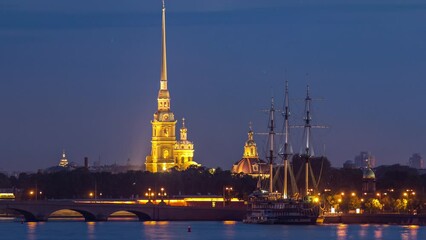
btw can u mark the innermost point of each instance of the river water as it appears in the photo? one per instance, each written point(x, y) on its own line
point(57, 230)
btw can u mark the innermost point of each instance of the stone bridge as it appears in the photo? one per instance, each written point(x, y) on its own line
point(100, 210)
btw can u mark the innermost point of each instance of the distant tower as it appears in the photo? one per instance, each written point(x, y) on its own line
point(64, 161)
point(368, 180)
point(164, 144)
point(364, 159)
point(250, 148)
point(184, 150)
point(250, 163)
point(416, 161)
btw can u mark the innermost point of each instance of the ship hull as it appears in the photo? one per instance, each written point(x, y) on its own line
point(283, 212)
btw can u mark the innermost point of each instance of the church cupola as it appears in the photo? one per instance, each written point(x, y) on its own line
point(64, 161)
point(250, 149)
point(183, 131)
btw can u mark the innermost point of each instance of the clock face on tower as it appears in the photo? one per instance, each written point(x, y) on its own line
point(165, 117)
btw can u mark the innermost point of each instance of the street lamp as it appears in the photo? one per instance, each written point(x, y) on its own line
point(226, 194)
point(149, 194)
point(162, 194)
point(31, 192)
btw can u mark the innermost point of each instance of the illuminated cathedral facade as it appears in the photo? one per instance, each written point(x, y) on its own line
point(166, 151)
point(250, 163)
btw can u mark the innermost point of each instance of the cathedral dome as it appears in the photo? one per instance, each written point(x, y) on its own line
point(369, 174)
point(250, 166)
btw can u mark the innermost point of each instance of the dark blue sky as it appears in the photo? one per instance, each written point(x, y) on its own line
point(84, 76)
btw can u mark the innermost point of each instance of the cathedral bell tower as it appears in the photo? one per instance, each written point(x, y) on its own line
point(184, 150)
point(163, 124)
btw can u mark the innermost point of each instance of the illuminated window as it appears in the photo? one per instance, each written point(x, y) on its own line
point(165, 153)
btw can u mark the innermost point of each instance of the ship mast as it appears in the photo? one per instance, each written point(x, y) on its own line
point(271, 144)
point(287, 151)
point(307, 131)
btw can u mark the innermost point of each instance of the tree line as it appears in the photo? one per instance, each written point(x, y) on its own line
point(82, 183)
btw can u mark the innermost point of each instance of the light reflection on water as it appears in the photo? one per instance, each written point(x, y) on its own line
point(342, 231)
point(410, 232)
point(201, 230)
point(91, 231)
point(378, 232)
point(31, 228)
point(363, 230)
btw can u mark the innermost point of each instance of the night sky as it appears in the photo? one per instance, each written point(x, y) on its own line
point(84, 76)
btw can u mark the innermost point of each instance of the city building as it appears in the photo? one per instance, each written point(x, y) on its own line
point(416, 161)
point(64, 161)
point(365, 159)
point(166, 152)
point(250, 162)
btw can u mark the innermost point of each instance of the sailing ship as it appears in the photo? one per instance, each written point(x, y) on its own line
point(272, 207)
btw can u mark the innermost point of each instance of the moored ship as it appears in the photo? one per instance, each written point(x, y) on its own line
point(269, 210)
point(272, 207)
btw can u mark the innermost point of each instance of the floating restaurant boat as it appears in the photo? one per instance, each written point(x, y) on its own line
point(272, 207)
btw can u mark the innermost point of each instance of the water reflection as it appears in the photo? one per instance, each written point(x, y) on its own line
point(225, 230)
point(363, 230)
point(342, 231)
point(152, 223)
point(31, 230)
point(230, 231)
point(158, 230)
point(378, 233)
point(410, 232)
point(229, 222)
point(91, 233)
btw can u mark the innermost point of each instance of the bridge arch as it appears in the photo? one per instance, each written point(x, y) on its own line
point(139, 214)
point(28, 216)
point(88, 216)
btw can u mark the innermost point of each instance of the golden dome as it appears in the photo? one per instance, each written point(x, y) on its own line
point(250, 166)
point(368, 174)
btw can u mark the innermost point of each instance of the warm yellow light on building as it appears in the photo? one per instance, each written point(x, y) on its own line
point(7, 196)
point(353, 194)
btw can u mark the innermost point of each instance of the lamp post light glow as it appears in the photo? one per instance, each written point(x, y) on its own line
point(31, 193)
point(226, 194)
point(149, 194)
point(162, 194)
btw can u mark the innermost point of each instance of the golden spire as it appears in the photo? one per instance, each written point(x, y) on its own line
point(163, 94)
point(163, 47)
